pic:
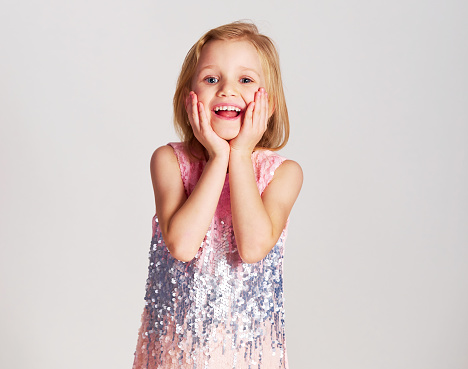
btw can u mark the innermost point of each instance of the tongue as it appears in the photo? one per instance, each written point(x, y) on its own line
point(227, 113)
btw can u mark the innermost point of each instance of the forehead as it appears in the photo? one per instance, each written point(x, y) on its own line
point(230, 53)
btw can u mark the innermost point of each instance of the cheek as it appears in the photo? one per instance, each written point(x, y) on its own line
point(195, 87)
point(202, 94)
point(249, 96)
point(252, 91)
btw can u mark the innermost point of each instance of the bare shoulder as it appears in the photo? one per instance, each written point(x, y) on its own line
point(165, 175)
point(282, 192)
point(291, 167)
point(163, 155)
point(164, 167)
point(289, 172)
point(285, 184)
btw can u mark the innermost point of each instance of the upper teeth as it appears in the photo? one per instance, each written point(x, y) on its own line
point(233, 108)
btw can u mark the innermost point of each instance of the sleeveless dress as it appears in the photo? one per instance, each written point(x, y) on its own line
point(215, 311)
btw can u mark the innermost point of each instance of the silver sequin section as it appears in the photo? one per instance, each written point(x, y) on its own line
point(215, 290)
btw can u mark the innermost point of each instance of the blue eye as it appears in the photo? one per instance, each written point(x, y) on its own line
point(246, 80)
point(211, 80)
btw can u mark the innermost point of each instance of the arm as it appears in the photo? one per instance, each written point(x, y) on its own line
point(184, 221)
point(259, 220)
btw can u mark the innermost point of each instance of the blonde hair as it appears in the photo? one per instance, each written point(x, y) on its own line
point(277, 133)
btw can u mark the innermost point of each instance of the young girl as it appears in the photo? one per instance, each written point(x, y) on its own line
point(214, 294)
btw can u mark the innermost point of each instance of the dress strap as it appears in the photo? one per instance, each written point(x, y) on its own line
point(265, 163)
point(184, 162)
point(190, 170)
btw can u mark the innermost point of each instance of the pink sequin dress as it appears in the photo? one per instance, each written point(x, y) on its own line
point(215, 311)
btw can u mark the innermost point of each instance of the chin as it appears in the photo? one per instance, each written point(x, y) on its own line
point(228, 137)
point(227, 134)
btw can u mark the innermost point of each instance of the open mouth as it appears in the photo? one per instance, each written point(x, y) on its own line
point(227, 111)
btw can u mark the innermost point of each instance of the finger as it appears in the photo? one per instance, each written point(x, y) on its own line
point(193, 116)
point(203, 118)
point(266, 111)
point(248, 117)
point(258, 107)
point(262, 106)
point(264, 114)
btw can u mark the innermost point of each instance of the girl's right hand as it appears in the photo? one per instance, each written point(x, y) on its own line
point(202, 130)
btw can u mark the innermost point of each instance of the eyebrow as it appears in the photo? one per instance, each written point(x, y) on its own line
point(250, 70)
point(241, 68)
point(208, 67)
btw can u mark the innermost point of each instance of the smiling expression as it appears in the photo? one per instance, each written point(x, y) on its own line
point(226, 79)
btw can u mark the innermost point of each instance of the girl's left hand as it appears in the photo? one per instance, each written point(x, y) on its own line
point(254, 125)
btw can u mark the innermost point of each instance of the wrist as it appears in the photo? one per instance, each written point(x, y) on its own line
point(219, 157)
point(218, 151)
point(240, 154)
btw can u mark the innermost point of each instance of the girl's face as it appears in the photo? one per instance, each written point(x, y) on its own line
point(227, 76)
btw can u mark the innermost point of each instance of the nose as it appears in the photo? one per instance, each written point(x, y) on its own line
point(227, 88)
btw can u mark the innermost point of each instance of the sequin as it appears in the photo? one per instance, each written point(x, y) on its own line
point(215, 311)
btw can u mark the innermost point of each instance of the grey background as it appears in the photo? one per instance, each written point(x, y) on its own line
point(376, 259)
